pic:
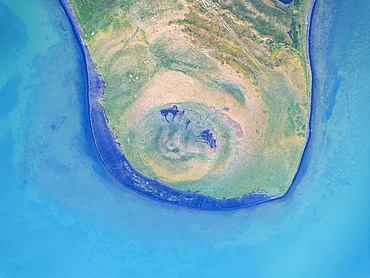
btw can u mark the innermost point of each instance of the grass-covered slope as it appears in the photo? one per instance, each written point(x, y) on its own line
point(207, 96)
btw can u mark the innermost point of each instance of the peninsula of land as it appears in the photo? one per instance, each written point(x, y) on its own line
point(200, 103)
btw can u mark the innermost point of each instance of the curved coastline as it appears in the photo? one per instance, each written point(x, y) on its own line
point(308, 57)
point(119, 167)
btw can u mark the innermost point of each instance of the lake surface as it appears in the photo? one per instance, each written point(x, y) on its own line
point(63, 215)
point(286, 1)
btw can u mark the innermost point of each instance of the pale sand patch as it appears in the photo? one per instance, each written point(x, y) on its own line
point(269, 3)
point(255, 119)
point(294, 72)
point(172, 87)
point(106, 44)
point(163, 16)
point(193, 174)
point(173, 30)
point(113, 46)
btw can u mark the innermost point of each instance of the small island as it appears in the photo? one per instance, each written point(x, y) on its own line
point(199, 103)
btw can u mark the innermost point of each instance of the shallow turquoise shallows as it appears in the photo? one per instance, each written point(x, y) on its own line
point(63, 215)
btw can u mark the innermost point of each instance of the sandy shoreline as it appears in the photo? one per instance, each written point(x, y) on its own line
point(118, 165)
point(308, 30)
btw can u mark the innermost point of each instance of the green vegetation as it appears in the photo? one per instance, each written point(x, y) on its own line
point(264, 27)
point(206, 96)
point(100, 14)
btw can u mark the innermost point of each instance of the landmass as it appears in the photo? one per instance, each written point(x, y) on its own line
point(200, 103)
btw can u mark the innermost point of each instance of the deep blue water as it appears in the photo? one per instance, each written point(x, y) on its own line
point(286, 1)
point(63, 215)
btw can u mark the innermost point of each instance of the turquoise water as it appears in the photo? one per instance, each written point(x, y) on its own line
point(63, 215)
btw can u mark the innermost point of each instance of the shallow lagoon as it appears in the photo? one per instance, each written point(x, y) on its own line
point(63, 215)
